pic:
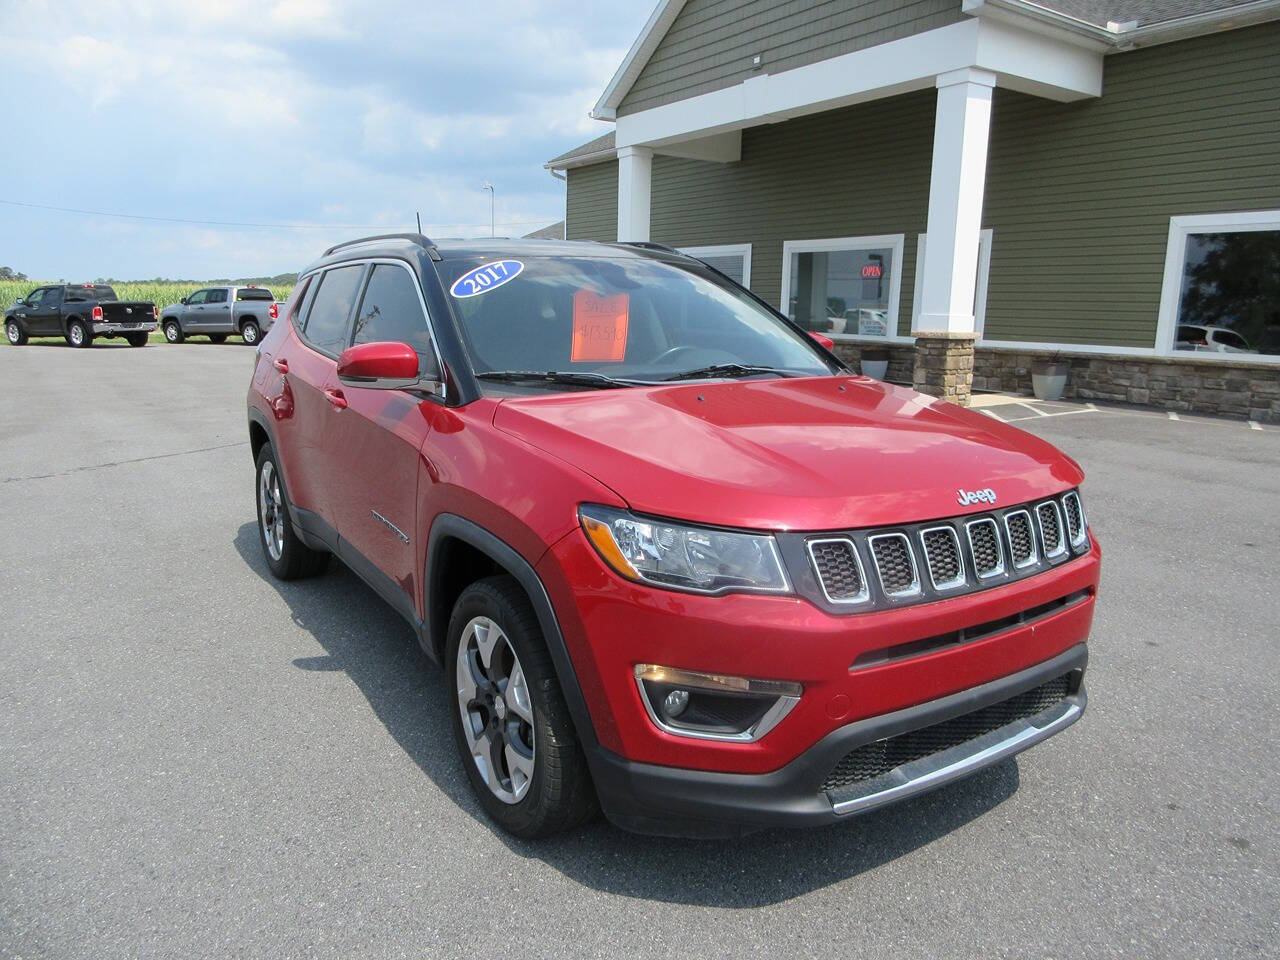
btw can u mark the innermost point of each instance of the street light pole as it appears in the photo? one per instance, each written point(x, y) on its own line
point(492, 197)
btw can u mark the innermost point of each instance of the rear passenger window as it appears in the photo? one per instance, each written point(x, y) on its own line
point(253, 293)
point(326, 328)
point(391, 310)
point(217, 296)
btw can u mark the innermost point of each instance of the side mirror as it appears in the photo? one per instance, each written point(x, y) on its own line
point(825, 341)
point(389, 366)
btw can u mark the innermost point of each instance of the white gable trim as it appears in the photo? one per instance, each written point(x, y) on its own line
point(664, 14)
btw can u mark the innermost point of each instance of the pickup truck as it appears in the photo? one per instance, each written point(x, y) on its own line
point(79, 312)
point(216, 312)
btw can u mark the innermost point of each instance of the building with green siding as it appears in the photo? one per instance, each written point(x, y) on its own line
point(971, 186)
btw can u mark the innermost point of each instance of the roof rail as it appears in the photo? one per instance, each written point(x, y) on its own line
point(418, 238)
point(648, 245)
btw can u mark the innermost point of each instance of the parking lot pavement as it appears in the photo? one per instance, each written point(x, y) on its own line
point(196, 761)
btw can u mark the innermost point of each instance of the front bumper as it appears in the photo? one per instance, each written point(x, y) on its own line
point(669, 800)
point(112, 329)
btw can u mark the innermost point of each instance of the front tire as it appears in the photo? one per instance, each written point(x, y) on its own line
point(136, 339)
point(286, 555)
point(510, 722)
point(173, 332)
point(78, 334)
point(16, 335)
point(251, 333)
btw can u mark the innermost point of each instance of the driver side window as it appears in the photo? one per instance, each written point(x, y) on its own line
point(36, 297)
point(197, 298)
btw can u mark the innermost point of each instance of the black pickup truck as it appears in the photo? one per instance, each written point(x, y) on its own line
point(79, 312)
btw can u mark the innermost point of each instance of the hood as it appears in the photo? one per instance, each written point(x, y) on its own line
point(803, 454)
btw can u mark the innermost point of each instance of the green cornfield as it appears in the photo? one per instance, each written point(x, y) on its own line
point(161, 294)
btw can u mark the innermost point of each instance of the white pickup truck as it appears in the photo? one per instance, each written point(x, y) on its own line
point(218, 312)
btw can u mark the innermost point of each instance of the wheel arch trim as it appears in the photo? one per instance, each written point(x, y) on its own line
point(448, 525)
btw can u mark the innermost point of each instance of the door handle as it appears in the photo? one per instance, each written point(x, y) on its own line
point(336, 398)
point(282, 364)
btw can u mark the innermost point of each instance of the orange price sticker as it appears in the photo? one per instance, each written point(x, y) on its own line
point(599, 327)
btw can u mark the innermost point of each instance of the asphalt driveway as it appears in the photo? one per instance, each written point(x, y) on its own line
point(197, 761)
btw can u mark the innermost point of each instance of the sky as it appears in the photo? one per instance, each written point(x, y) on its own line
point(343, 116)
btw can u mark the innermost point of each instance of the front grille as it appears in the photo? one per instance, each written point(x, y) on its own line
point(876, 759)
point(869, 569)
point(838, 569)
point(984, 540)
point(942, 555)
point(894, 564)
point(1022, 539)
point(1050, 528)
point(1075, 517)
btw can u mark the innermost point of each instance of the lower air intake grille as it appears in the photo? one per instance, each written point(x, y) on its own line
point(874, 759)
point(838, 570)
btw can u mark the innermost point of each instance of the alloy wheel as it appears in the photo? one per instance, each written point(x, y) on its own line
point(497, 712)
point(14, 334)
point(171, 332)
point(271, 505)
point(76, 332)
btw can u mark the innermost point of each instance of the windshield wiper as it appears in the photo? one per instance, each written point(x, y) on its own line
point(725, 370)
point(578, 379)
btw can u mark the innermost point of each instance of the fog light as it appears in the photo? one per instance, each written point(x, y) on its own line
point(675, 703)
point(713, 706)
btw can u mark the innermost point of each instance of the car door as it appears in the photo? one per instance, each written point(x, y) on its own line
point(217, 311)
point(311, 462)
point(376, 439)
point(34, 314)
point(193, 317)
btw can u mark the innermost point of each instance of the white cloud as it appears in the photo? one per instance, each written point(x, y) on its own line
point(343, 113)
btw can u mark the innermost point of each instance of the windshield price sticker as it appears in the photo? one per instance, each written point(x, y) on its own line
point(599, 327)
point(485, 278)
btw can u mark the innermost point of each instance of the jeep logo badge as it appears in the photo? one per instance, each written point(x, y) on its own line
point(966, 497)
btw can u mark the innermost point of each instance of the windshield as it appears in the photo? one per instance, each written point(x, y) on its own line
point(626, 318)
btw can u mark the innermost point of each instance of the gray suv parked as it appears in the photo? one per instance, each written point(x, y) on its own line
point(217, 312)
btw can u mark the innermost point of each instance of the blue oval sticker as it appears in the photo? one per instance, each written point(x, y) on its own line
point(484, 278)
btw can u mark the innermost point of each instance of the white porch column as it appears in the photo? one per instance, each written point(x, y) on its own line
point(955, 203)
point(635, 184)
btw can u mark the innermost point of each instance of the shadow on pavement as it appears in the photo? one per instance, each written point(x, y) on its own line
point(365, 638)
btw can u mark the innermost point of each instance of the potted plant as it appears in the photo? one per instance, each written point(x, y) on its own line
point(1049, 377)
point(874, 362)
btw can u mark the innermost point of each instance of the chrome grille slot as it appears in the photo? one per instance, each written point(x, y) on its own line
point(895, 564)
point(1075, 518)
point(1050, 529)
point(942, 557)
point(984, 542)
point(1022, 538)
point(839, 570)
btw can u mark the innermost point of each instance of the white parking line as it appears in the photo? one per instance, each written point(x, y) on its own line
point(1173, 416)
point(1254, 425)
point(1033, 409)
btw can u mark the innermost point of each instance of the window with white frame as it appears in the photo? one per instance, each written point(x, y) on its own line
point(979, 287)
point(844, 287)
point(731, 259)
point(1221, 293)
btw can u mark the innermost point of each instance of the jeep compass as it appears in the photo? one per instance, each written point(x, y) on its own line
point(676, 562)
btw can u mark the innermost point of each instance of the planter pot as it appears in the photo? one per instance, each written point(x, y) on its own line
point(874, 368)
point(1048, 380)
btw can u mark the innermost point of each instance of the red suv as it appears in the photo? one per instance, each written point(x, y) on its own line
point(675, 560)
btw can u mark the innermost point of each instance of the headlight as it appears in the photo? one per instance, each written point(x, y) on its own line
point(696, 559)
